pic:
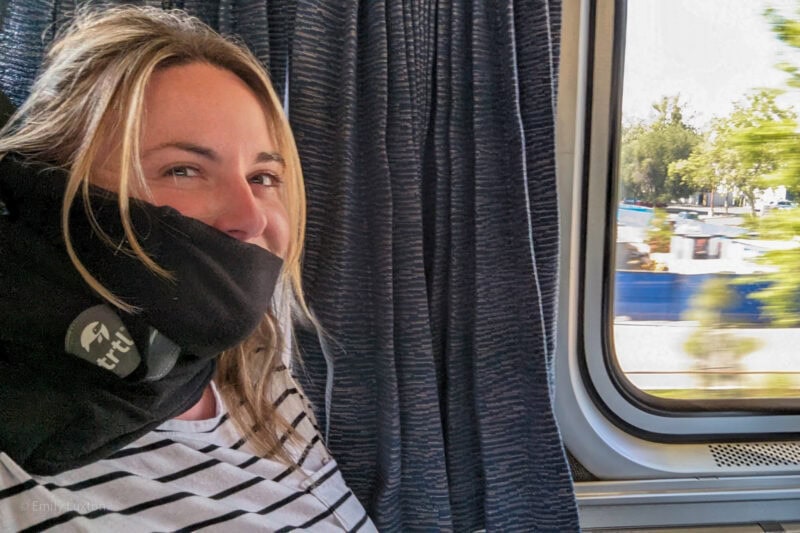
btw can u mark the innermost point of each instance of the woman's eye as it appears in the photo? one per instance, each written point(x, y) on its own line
point(265, 179)
point(182, 172)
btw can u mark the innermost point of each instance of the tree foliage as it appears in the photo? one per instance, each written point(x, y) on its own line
point(780, 300)
point(659, 232)
point(786, 139)
point(648, 149)
point(717, 351)
point(787, 30)
point(740, 152)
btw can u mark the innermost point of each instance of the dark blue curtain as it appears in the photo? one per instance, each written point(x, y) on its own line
point(426, 131)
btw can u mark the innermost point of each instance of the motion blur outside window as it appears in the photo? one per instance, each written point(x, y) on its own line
point(706, 288)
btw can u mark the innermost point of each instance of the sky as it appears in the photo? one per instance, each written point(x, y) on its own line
point(710, 52)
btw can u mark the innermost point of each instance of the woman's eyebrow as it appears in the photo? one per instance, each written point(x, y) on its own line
point(267, 157)
point(209, 153)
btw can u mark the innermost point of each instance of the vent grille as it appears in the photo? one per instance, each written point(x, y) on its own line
point(757, 454)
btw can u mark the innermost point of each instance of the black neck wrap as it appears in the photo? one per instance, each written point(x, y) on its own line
point(59, 411)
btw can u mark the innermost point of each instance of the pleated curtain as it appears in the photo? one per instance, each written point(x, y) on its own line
point(426, 133)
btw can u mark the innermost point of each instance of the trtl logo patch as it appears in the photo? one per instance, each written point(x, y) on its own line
point(98, 335)
point(91, 333)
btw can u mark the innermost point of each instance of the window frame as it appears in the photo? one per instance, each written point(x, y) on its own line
point(607, 431)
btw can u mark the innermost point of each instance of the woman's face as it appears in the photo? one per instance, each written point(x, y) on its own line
point(207, 152)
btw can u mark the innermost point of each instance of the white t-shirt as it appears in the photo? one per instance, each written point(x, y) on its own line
point(190, 475)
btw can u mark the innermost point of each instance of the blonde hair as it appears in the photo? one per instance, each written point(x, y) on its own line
point(91, 88)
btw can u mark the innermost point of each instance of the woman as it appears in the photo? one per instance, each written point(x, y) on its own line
point(152, 200)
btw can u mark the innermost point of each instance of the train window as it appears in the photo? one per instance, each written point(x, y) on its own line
point(678, 153)
point(706, 301)
point(678, 145)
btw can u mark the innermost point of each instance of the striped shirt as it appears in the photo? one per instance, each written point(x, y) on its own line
point(191, 475)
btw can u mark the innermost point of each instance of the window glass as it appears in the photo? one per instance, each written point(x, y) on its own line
point(706, 292)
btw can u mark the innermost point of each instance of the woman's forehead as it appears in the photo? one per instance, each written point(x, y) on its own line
point(206, 105)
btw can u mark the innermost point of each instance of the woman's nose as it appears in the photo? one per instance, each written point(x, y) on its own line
point(240, 215)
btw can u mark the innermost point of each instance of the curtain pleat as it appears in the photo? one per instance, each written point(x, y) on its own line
point(29, 27)
point(449, 236)
point(354, 116)
point(22, 44)
point(426, 132)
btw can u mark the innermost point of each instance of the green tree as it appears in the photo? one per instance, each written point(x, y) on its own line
point(707, 168)
point(780, 300)
point(787, 30)
point(647, 149)
point(786, 140)
point(659, 232)
point(758, 133)
point(717, 351)
point(739, 154)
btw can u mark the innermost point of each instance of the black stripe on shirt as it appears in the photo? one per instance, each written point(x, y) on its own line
point(303, 457)
point(277, 505)
point(299, 418)
point(188, 471)
point(266, 510)
point(307, 450)
point(105, 478)
point(285, 394)
point(296, 422)
point(289, 470)
point(143, 506)
point(359, 524)
point(224, 418)
point(211, 521)
point(112, 476)
point(16, 489)
point(323, 479)
point(126, 452)
point(322, 516)
point(236, 488)
point(91, 482)
point(66, 517)
point(233, 514)
point(277, 478)
point(47, 524)
point(254, 459)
